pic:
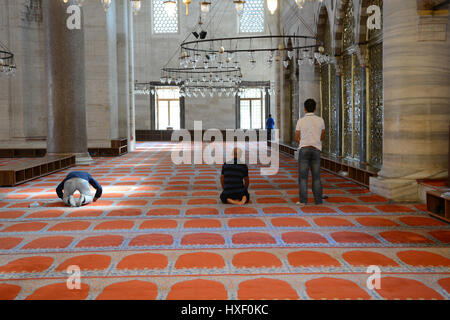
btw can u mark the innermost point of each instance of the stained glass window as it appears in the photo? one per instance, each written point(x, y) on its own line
point(252, 18)
point(162, 23)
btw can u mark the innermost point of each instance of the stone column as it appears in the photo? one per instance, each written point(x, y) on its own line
point(286, 104)
point(66, 82)
point(338, 66)
point(416, 104)
point(132, 104)
point(278, 90)
point(362, 54)
point(309, 86)
point(152, 110)
point(123, 69)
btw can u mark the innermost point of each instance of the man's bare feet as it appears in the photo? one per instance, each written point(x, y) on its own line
point(237, 202)
point(243, 201)
point(231, 201)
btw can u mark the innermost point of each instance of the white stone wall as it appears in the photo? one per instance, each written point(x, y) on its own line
point(4, 82)
point(23, 108)
point(153, 52)
point(215, 113)
point(101, 97)
point(23, 118)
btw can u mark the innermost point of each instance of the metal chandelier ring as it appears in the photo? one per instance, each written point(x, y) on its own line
point(193, 45)
point(210, 70)
point(5, 55)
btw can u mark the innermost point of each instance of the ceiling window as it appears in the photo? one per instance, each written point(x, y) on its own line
point(162, 23)
point(252, 18)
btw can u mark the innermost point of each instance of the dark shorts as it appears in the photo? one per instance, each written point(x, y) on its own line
point(234, 196)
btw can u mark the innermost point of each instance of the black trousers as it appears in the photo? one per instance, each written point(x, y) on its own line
point(234, 196)
point(269, 134)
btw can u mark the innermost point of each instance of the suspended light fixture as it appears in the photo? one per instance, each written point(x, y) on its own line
point(77, 2)
point(171, 7)
point(187, 2)
point(239, 5)
point(136, 5)
point(205, 6)
point(106, 4)
point(272, 5)
point(7, 65)
point(300, 3)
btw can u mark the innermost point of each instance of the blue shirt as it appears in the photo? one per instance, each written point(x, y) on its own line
point(82, 175)
point(234, 175)
point(270, 123)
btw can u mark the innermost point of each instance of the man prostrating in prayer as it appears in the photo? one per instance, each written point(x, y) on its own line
point(235, 181)
point(78, 180)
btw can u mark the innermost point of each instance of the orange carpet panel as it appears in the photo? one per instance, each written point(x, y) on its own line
point(161, 232)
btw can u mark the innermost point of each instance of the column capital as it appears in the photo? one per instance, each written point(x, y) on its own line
point(361, 52)
point(338, 62)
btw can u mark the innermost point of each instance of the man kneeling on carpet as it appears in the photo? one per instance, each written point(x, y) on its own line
point(235, 181)
point(80, 181)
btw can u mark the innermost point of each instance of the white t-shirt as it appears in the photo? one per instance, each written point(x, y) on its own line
point(310, 127)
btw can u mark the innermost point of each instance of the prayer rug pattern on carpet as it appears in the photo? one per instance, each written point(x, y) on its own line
point(160, 232)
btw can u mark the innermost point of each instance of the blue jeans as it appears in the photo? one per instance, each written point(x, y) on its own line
point(309, 158)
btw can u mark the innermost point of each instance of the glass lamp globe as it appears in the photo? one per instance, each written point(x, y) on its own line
point(272, 5)
point(136, 5)
point(239, 5)
point(171, 7)
point(205, 6)
point(106, 4)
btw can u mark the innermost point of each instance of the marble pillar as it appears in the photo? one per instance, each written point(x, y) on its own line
point(416, 104)
point(278, 89)
point(132, 104)
point(66, 83)
point(339, 113)
point(286, 105)
point(123, 69)
point(309, 86)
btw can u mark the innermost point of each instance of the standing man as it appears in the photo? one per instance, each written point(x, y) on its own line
point(310, 133)
point(270, 124)
point(78, 181)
